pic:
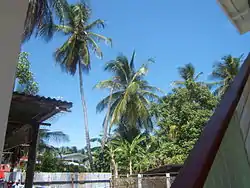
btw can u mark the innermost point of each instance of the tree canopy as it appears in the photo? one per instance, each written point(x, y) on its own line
point(24, 77)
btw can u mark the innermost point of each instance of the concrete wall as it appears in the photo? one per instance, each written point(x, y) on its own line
point(12, 15)
point(231, 167)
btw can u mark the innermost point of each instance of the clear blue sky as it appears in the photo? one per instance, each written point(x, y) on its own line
point(173, 33)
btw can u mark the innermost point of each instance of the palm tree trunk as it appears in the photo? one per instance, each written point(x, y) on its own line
point(104, 138)
point(130, 167)
point(86, 126)
point(115, 167)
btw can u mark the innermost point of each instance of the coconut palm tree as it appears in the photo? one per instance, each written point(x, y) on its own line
point(131, 95)
point(75, 52)
point(41, 13)
point(224, 72)
point(187, 72)
point(46, 136)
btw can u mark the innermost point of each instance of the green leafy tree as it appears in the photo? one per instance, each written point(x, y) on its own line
point(224, 72)
point(75, 52)
point(131, 152)
point(101, 156)
point(183, 116)
point(48, 163)
point(24, 77)
point(131, 97)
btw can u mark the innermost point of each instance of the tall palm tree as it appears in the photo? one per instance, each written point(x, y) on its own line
point(187, 72)
point(224, 72)
point(75, 52)
point(131, 96)
point(41, 12)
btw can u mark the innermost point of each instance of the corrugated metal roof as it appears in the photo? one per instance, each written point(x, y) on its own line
point(238, 12)
point(42, 98)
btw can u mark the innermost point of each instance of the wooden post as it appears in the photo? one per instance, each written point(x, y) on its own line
point(32, 157)
point(139, 180)
point(168, 183)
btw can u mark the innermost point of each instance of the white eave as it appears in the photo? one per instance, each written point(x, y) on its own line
point(238, 12)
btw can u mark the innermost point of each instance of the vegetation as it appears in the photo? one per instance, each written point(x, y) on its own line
point(41, 13)
point(142, 128)
point(75, 52)
point(224, 72)
point(46, 136)
point(25, 79)
point(131, 97)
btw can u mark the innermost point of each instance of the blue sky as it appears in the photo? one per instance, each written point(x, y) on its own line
point(173, 33)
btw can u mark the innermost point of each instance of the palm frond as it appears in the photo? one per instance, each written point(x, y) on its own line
point(99, 38)
point(97, 23)
point(104, 102)
point(95, 47)
point(105, 84)
point(131, 64)
point(55, 136)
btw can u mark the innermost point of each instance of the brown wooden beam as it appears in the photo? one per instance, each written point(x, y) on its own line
point(32, 157)
point(26, 122)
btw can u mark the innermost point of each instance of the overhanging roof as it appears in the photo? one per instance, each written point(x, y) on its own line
point(27, 110)
point(238, 12)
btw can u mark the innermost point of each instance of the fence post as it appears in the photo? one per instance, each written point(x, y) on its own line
point(168, 180)
point(139, 180)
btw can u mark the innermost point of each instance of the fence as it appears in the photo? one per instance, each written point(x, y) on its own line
point(143, 181)
point(65, 180)
point(95, 180)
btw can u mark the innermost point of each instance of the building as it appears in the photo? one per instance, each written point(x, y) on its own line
point(26, 114)
point(238, 12)
point(73, 159)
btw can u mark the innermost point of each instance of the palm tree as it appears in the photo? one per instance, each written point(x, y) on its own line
point(46, 136)
point(75, 52)
point(128, 103)
point(41, 13)
point(187, 72)
point(224, 72)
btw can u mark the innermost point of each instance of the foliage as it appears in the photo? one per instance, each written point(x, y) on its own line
point(75, 51)
point(51, 163)
point(46, 136)
point(42, 13)
point(25, 78)
point(188, 72)
point(224, 72)
point(130, 153)
point(183, 116)
point(101, 157)
point(131, 97)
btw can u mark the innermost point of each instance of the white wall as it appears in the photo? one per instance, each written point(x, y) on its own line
point(12, 15)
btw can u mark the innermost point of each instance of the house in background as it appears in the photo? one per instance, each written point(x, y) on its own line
point(73, 159)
